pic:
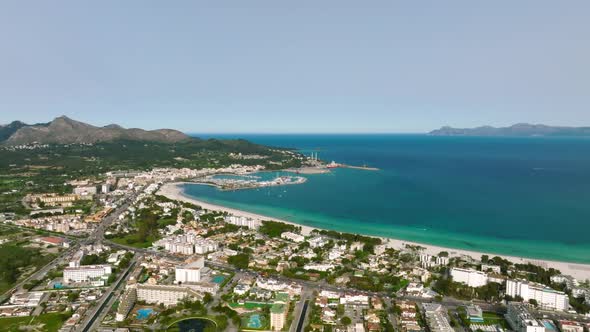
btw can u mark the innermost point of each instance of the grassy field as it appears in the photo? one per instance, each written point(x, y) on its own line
point(17, 261)
point(132, 240)
point(492, 318)
point(46, 322)
point(251, 305)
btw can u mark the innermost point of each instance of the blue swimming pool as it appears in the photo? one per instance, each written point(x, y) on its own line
point(218, 279)
point(144, 313)
point(549, 325)
point(255, 322)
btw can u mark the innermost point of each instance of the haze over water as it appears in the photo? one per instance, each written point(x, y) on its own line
point(526, 197)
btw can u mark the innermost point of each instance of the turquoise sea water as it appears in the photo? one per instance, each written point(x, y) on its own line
point(527, 197)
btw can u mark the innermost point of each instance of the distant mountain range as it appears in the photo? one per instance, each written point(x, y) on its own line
point(517, 130)
point(63, 130)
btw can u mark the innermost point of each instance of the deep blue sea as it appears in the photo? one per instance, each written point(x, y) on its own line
point(527, 197)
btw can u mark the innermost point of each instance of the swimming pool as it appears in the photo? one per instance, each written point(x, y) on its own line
point(549, 326)
point(144, 313)
point(218, 279)
point(254, 321)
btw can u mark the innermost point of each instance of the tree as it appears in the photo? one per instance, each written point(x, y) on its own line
point(533, 302)
point(345, 320)
point(207, 298)
point(240, 261)
point(275, 228)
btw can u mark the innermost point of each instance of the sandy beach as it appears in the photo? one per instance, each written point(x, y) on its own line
point(578, 271)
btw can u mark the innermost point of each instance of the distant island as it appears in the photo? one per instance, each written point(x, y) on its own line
point(517, 130)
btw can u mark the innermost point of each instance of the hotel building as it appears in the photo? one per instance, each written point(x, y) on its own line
point(471, 278)
point(191, 272)
point(546, 297)
point(165, 294)
point(86, 273)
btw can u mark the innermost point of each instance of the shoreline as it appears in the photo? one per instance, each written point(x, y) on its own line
point(579, 271)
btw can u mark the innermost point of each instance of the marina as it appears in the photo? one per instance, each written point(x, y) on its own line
point(233, 182)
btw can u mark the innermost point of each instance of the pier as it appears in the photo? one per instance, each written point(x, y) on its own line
point(365, 168)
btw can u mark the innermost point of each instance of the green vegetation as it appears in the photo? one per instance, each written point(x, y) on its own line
point(46, 322)
point(376, 282)
point(16, 259)
point(240, 261)
point(369, 242)
point(94, 259)
point(492, 318)
point(275, 228)
point(46, 169)
point(251, 305)
point(580, 305)
point(133, 240)
point(445, 285)
point(537, 273)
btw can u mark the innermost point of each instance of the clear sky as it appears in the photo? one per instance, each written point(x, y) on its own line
point(296, 66)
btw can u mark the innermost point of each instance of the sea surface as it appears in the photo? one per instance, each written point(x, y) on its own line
point(525, 197)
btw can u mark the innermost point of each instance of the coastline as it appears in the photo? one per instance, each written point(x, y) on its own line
point(579, 271)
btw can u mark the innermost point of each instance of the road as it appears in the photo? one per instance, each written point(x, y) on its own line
point(301, 310)
point(93, 318)
point(91, 321)
point(98, 235)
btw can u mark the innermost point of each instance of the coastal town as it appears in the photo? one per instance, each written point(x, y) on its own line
point(129, 251)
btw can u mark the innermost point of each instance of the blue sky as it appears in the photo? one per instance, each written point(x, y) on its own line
point(299, 66)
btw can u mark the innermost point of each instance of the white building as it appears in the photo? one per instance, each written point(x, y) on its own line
point(493, 268)
point(318, 267)
point(429, 261)
point(521, 320)
point(188, 244)
point(165, 294)
point(415, 287)
point(85, 191)
point(318, 241)
point(271, 284)
point(126, 303)
point(243, 221)
point(241, 289)
point(86, 273)
point(75, 262)
point(116, 256)
point(189, 273)
point(278, 316)
point(569, 281)
point(569, 326)
point(293, 237)
point(546, 297)
point(335, 253)
point(436, 318)
point(470, 277)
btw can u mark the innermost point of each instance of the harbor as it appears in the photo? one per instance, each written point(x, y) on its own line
point(235, 182)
